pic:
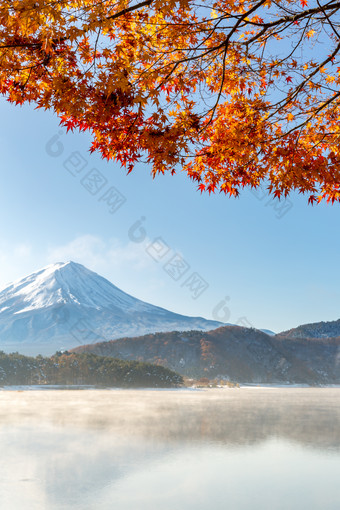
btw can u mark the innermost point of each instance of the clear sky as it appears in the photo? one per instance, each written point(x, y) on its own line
point(236, 260)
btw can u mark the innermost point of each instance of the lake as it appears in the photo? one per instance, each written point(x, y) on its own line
point(216, 449)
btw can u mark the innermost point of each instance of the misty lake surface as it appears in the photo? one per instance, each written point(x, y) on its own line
point(215, 449)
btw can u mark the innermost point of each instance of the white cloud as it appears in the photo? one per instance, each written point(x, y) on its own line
point(15, 261)
point(128, 266)
point(97, 254)
point(22, 251)
point(120, 263)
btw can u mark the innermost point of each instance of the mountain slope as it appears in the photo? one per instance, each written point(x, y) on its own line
point(314, 330)
point(237, 353)
point(66, 304)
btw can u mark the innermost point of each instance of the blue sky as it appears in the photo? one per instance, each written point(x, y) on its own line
point(241, 260)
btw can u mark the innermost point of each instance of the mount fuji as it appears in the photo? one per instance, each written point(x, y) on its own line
point(65, 305)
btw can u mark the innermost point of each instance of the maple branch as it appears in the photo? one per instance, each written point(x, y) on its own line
point(311, 117)
point(129, 9)
point(287, 19)
point(294, 94)
point(328, 19)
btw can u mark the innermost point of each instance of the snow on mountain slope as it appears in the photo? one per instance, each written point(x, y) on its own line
point(65, 305)
point(64, 283)
point(268, 332)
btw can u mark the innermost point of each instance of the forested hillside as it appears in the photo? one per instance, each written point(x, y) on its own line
point(235, 353)
point(70, 368)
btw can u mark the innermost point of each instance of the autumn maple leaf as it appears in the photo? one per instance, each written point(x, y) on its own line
point(229, 103)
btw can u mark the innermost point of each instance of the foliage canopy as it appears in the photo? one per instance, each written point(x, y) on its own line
point(70, 368)
point(234, 92)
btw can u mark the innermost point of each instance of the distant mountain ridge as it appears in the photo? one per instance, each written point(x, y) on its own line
point(236, 353)
point(322, 329)
point(65, 305)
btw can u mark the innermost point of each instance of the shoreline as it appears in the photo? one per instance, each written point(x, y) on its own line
point(240, 386)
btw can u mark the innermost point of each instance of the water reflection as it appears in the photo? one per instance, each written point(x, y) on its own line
point(234, 449)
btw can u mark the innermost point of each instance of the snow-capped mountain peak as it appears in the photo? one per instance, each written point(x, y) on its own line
point(62, 283)
point(52, 305)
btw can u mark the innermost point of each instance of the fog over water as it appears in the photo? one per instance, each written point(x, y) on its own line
point(230, 449)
